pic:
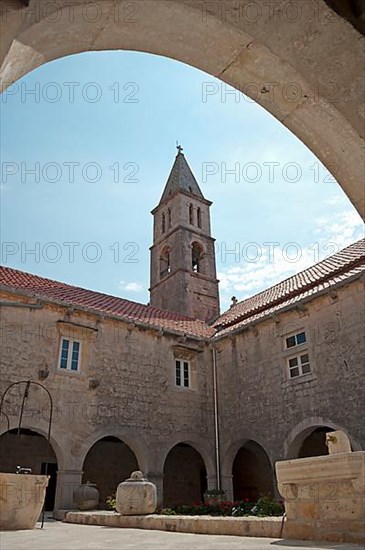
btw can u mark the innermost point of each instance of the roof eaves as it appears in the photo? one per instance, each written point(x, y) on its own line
point(223, 331)
point(356, 262)
point(99, 313)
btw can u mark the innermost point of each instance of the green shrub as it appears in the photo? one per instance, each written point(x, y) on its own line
point(111, 502)
point(267, 506)
point(166, 512)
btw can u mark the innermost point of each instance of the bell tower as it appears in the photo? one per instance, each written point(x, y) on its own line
point(183, 270)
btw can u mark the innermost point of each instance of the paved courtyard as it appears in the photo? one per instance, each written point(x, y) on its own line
point(67, 536)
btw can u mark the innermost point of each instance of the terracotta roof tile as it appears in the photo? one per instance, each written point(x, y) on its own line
point(55, 291)
point(337, 267)
point(258, 316)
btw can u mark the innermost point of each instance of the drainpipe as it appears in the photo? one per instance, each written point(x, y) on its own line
point(216, 422)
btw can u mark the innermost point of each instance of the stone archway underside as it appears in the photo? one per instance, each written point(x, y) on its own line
point(314, 444)
point(109, 462)
point(310, 441)
point(252, 473)
point(30, 449)
point(185, 476)
point(300, 61)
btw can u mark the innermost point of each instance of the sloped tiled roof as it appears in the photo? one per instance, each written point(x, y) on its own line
point(55, 291)
point(333, 270)
point(181, 178)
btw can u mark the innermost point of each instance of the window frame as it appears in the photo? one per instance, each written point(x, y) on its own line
point(297, 361)
point(183, 364)
point(68, 368)
point(295, 336)
point(299, 365)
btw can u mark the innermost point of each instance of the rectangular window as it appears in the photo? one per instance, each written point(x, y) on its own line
point(296, 340)
point(70, 354)
point(299, 365)
point(182, 373)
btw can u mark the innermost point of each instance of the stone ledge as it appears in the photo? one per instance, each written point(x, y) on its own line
point(60, 515)
point(205, 525)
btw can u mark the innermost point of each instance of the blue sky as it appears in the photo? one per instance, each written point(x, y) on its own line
point(99, 132)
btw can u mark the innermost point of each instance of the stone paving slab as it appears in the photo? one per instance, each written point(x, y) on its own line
point(66, 536)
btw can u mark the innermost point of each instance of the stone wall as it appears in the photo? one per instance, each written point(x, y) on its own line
point(259, 402)
point(125, 387)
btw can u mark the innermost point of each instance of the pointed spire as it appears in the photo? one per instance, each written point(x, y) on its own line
point(181, 178)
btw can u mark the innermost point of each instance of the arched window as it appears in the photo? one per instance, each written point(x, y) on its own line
point(169, 218)
point(163, 223)
point(191, 214)
point(165, 267)
point(197, 255)
point(199, 217)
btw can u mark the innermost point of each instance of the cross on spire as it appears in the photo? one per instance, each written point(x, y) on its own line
point(179, 148)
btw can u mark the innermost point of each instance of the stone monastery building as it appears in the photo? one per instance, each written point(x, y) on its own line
point(192, 397)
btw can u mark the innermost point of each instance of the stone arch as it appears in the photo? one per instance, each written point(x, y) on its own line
point(184, 476)
point(165, 262)
point(54, 439)
point(108, 462)
point(229, 451)
point(197, 257)
point(202, 446)
point(251, 469)
point(139, 448)
point(302, 431)
point(186, 446)
point(31, 450)
point(244, 53)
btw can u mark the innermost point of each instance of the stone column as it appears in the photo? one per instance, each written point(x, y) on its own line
point(211, 482)
point(157, 479)
point(67, 481)
point(227, 486)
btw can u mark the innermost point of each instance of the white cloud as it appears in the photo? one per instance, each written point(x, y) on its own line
point(131, 287)
point(341, 228)
point(283, 261)
point(335, 200)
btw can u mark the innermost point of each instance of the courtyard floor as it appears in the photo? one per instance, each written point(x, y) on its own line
point(67, 536)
